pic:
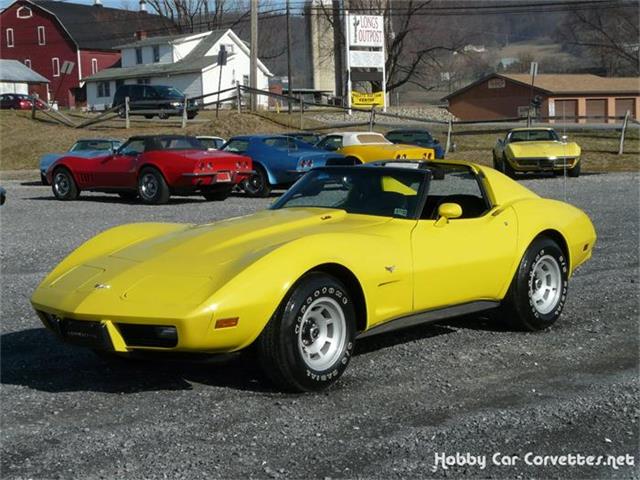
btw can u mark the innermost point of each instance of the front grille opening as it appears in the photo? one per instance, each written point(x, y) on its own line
point(135, 335)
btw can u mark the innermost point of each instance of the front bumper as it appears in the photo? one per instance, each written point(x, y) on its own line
point(543, 164)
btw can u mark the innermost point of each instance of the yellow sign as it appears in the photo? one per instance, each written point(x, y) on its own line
point(359, 99)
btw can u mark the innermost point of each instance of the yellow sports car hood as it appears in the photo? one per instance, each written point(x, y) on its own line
point(185, 267)
point(540, 149)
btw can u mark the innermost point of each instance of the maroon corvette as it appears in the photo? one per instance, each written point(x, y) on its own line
point(152, 168)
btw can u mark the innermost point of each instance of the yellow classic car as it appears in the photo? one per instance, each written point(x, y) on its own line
point(347, 252)
point(536, 150)
point(364, 147)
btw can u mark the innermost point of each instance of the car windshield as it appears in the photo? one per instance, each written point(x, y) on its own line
point(168, 92)
point(380, 191)
point(86, 145)
point(236, 146)
point(533, 136)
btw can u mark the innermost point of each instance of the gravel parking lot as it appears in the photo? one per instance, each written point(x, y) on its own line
point(465, 386)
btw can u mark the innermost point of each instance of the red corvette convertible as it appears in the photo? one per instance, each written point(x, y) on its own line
point(153, 168)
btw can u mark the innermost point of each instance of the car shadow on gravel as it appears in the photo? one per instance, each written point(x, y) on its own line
point(115, 199)
point(36, 359)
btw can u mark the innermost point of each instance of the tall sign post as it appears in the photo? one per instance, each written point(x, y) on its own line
point(365, 59)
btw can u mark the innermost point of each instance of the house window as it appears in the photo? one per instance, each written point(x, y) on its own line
point(94, 66)
point(144, 81)
point(24, 12)
point(156, 53)
point(55, 64)
point(229, 48)
point(104, 89)
point(138, 55)
point(245, 80)
point(9, 37)
point(27, 62)
point(41, 38)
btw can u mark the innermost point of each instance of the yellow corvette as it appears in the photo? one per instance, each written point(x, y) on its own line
point(347, 252)
point(536, 150)
point(365, 147)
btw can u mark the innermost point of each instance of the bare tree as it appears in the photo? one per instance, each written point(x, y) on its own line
point(193, 15)
point(609, 34)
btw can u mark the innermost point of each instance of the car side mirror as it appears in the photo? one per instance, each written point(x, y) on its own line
point(448, 211)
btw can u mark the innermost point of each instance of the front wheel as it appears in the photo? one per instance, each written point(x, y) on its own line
point(575, 171)
point(507, 169)
point(307, 344)
point(64, 186)
point(538, 291)
point(257, 185)
point(152, 187)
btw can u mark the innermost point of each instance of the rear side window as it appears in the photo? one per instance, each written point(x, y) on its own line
point(236, 146)
point(277, 142)
point(455, 184)
point(372, 138)
point(133, 147)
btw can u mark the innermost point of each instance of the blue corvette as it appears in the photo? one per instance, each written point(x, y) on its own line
point(92, 147)
point(278, 160)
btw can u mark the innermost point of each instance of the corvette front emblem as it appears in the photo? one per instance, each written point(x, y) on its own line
point(99, 286)
point(390, 268)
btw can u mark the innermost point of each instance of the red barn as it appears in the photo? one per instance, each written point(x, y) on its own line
point(64, 41)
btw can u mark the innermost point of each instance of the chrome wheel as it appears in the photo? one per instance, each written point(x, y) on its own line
point(545, 286)
point(62, 184)
point(148, 186)
point(322, 333)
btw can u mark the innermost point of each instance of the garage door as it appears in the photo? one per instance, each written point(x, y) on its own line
point(567, 110)
point(624, 104)
point(596, 108)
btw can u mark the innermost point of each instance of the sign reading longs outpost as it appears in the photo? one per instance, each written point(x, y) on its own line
point(365, 59)
point(366, 31)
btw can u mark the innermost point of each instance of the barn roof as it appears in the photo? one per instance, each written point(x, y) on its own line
point(103, 28)
point(564, 84)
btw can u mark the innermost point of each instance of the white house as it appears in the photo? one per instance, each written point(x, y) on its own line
point(186, 62)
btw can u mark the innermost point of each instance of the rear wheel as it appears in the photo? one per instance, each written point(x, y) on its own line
point(307, 344)
point(257, 185)
point(152, 187)
point(539, 288)
point(64, 186)
point(163, 115)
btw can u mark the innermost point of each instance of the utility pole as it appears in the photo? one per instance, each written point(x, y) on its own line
point(289, 82)
point(338, 49)
point(253, 74)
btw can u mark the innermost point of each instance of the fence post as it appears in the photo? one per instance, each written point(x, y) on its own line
point(33, 107)
point(126, 112)
point(624, 131)
point(448, 146)
point(372, 117)
point(184, 112)
point(301, 113)
point(239, 98)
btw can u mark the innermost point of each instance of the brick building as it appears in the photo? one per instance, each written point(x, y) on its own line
point(64, 41)
point(563, 96)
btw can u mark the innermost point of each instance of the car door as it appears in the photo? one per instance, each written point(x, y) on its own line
point(465, 259)
point(119, 170)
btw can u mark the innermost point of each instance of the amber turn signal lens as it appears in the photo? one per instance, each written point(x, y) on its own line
point(227, 322)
